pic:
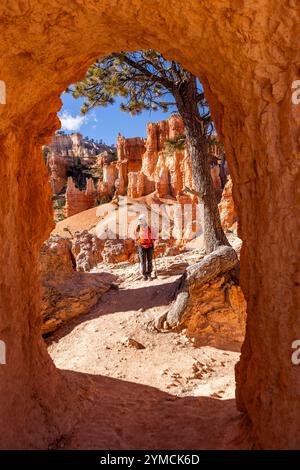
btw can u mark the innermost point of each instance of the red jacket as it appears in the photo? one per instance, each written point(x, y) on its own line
point(145, 236)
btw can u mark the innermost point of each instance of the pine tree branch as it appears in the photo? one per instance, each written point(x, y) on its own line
point(165, 82)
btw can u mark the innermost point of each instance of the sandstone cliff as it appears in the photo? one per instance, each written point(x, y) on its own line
point(78, 201)
point(75, 146)
point(160, 163)
point(227, 209)
point(73, 155)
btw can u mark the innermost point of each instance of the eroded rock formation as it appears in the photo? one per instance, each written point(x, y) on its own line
point(116, 251)
point(75, 146)
point(161, 163)
point(129, 152)
point(87, 250)
point(76, 156)
point(210, 303)
point(79, 201)
point(158, 163)
point(227, 209)
point(247, 79)
point(66, 293)
point(58, 172)
point(106, 185)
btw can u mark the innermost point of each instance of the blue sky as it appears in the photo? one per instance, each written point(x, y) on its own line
point(105, 123)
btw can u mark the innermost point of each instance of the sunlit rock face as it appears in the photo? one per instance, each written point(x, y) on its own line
point(227, 209)
point(78, 201)
point(58, 172)
point(69, 154)
point(138, 167)
point(67, 293)
point(159, 163)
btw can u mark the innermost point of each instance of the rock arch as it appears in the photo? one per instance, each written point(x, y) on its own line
point(246, 55)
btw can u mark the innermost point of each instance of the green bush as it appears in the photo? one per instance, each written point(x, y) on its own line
point(178, 143)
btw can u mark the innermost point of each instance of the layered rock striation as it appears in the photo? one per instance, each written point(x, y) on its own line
point(66, 293)
point(160, 163)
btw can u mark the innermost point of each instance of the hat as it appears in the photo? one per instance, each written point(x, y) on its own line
point(142, 217)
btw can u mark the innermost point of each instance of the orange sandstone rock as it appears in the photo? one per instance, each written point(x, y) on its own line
point(78, 201)
point(226, 207)
point(58, 172)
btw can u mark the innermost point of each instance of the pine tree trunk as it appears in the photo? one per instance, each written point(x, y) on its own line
point(185, 96)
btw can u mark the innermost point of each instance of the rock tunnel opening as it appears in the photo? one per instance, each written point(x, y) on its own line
point(248, 89)
point(140, 175)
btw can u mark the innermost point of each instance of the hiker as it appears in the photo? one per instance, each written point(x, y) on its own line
point(145, 238)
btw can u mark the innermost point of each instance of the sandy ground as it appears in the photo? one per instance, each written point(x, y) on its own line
point(165, 395)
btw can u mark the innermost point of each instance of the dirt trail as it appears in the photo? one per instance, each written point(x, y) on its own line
point(166, 395)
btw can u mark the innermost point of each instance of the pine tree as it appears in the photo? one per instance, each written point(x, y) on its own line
point(145, 80)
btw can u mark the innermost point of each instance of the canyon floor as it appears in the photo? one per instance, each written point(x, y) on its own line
point(166, 395)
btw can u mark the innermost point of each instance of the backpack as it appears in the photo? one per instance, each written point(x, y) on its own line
point(145, 242)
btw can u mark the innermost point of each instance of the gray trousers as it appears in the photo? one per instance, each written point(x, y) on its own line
point(145, 256)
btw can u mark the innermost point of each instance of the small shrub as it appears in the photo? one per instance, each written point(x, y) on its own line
point(178, 143)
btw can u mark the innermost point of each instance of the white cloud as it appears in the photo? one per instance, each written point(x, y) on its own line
point(71, 123)
point(93, 117)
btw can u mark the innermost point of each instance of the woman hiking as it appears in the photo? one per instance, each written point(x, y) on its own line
point(145, 238)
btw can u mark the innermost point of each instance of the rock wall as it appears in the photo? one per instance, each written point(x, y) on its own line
point(75, 146)
point(129, 152)
point(142, 166)
point(57, 166)
point(136, 184)
point(216, 314)
point(247, 70)
point(56, 257)
point(71, 153)
point(227, 209)
point(155, 164)
point(87, 250)
point(161, 170)
point(78, 201)
point(106, 186)
point(26, 393)
point(66, 293)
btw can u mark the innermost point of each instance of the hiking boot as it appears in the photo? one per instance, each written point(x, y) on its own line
point(145, 277)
